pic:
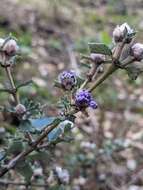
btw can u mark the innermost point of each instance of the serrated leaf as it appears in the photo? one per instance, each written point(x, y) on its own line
point(99, 48)
point(40, 124)
point(25, 169)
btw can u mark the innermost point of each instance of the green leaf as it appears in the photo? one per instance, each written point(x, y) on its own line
point(40, 124)
point(42, 155)
point(15, 147)
point(99, 48)
point(25, 169)
point(24, 84)
point(37, 125)
point(26, 126)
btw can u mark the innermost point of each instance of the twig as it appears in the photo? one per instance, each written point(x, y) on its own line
point(26, 152)
point(111, 69)
point(7, 182)
point(13, 87)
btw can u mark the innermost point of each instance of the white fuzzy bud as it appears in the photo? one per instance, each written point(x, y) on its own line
point(20, 109)
point(10, 47)
point(97, 58)
point(137, 51)
point(120, 32)
point(1, 42)
point(62, 174)
point(131, 164)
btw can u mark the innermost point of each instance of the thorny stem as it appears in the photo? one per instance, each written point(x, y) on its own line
point(13, 87)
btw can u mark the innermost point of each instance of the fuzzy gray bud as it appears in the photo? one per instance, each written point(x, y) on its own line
point(121, 31)
point(97, 58)
point(137, 51)
point(10, 47)
point(20, 109)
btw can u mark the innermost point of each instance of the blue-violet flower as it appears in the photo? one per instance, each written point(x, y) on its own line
point(68, 79)
point(83, 99)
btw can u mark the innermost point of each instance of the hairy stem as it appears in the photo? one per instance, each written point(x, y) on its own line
point(116, 56)
point(111, 69)
point(13, 87)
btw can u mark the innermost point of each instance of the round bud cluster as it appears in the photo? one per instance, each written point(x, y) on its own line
point(68, 80)
point(20, 109)
point(10, 47)
point(97, 58)
point(120, 32)
point(137, 51)
point(83, 99)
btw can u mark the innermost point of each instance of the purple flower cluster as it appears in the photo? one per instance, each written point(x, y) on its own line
point(83, 99)
point(67, 79)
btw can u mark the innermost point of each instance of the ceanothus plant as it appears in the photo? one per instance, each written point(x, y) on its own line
point(35, 134)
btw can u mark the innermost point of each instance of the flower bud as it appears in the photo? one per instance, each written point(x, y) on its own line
point(1, 42)
point(137, 51)
point(20, 109)
point(67, 79)
point(93, 104)
point(10, 47)
point(62, 174)
point(97, 58)
point(83, 99)
point(121, 31)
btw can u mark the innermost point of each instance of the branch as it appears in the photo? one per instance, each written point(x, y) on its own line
point(13, 87)
point(7, 182)
point(116, 56)
point(12, 163)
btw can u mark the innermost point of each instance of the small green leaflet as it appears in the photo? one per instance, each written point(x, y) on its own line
point(99, 48)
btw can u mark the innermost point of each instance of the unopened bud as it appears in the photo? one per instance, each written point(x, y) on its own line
point(137, 51)
point(62, 174)
point(1, 42)
point(68, 80)
point(20, 109)
point(121, 31)
point(10, 47)
point(97, 58)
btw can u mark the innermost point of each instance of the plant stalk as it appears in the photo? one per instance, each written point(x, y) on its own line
point(13, 87)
